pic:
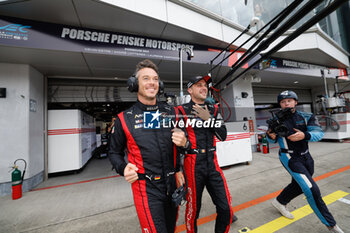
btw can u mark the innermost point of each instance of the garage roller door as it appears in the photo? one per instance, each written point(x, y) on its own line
point(71, 94)
point(268, 95)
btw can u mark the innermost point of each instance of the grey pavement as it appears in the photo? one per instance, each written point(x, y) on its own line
point(106, 205)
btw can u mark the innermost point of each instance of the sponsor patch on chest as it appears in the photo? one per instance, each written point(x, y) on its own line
point(138, 126)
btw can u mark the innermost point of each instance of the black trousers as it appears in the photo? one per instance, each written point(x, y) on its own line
point(154, 208)
point(203, 171)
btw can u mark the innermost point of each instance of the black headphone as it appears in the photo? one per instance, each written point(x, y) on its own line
point(133, 85)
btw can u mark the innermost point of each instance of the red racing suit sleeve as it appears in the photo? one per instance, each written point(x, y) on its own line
point(117, 147)
point(219, 132)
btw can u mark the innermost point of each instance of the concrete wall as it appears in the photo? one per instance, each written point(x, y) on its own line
point(221, 29)
point(36, 123)
point(167, 11)
point(22, 130)
point(240, 107)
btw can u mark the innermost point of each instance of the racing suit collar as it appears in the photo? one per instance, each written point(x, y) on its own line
point(193, 103)
point(147, 107)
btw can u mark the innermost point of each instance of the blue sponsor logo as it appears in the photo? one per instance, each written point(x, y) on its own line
point(151, 120)
point(269, 63)
point(15, 28)
point(14, 32)
point(273, 63)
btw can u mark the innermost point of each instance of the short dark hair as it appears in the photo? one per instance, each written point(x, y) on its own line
point(146, 64)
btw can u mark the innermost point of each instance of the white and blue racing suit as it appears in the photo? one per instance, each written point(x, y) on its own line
point(296, 158)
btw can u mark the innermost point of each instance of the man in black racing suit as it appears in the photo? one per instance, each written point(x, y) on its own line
point(151, 153)
point(200, 163)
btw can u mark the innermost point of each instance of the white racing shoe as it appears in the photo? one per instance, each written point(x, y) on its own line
point(335, 229)
point(282, 209)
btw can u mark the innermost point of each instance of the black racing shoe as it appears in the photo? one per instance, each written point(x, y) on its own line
point(234, 219)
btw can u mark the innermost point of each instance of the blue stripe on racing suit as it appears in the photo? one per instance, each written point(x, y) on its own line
point(313, 126)
point(300, 180)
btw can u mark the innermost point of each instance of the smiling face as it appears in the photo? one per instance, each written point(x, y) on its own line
point(198, 92)
point(148, 82)
point(288, 103)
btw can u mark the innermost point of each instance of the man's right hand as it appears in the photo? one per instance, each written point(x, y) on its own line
point(271, 135)
point(178, 137)
point(130, 173)
point(180, 179)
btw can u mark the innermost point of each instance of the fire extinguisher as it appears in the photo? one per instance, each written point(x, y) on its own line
point(265, 145)
point(258, 148)
point(17, 180)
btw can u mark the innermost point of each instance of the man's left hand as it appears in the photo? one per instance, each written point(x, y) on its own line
point(201, 112)
point(271, 135)
point(178, 137)
point(297, 136)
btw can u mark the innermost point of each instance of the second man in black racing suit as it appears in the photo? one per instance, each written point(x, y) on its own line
point(200, 163)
